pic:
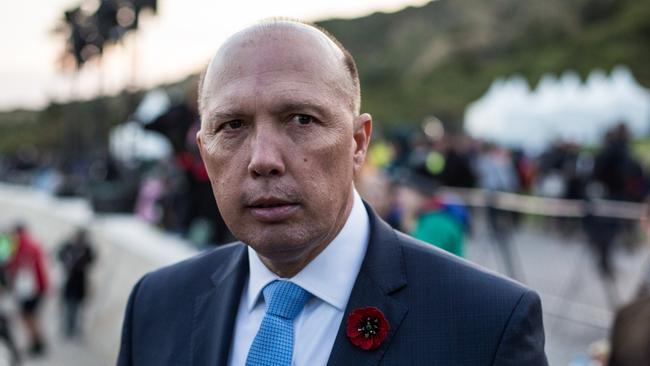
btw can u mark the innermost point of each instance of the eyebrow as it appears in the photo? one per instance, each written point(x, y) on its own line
point(282, 108)
point(293, 106)
point(221, 115)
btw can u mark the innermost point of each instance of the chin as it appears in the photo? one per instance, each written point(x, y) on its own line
point(279, 242)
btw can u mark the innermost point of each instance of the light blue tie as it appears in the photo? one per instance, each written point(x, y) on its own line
point(273, 344)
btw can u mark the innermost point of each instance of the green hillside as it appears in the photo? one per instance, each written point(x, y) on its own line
point(437, 58)
point(430, 60)
point(74, 127)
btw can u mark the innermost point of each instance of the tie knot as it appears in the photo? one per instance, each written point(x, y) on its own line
point(285, 299)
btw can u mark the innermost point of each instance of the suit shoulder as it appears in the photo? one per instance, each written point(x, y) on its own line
point(196, 270)
point(425, 261)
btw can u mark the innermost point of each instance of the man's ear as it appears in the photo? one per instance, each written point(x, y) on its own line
point(199, 142)
point(361, 135)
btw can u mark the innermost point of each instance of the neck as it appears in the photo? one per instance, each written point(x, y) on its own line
point(290, 269)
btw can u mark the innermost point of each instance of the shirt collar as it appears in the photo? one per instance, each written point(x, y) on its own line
point(331, 275)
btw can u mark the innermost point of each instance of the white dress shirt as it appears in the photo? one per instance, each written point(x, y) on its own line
point(329, 278)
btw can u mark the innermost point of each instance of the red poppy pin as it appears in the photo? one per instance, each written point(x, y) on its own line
point(367, 328)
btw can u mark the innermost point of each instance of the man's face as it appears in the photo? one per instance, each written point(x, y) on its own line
point(281, 144)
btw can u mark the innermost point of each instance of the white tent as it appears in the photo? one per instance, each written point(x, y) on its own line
point(564, 108)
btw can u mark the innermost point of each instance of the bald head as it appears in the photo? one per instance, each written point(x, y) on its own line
point(286, 42)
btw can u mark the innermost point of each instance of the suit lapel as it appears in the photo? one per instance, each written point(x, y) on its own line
point(215, 312)
point(382, 274)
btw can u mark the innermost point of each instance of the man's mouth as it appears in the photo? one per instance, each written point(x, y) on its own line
point(272, 209)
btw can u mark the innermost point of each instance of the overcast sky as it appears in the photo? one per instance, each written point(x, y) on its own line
point(176, 42)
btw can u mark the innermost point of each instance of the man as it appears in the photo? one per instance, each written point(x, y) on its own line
point(76, 255)
point(317, 278)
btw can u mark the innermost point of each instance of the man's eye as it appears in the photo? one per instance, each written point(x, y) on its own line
point(233, 125)
point(303, 119)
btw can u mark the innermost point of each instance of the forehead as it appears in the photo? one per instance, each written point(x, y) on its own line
point(285, 42)
point(284, 60)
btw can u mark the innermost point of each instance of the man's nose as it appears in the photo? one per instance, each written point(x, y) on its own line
point(266, 154)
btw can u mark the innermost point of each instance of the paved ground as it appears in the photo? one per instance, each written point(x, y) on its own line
point(60, 352)
point(576, 306)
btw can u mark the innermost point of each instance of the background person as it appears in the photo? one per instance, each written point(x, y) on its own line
point(28, 273)
point(76, 255)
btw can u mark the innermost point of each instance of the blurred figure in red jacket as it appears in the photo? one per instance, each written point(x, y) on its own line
point(27, 270)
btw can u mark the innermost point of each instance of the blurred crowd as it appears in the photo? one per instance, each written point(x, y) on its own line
point(564, 170)
point(25, 284)
point(404, 178)
point(419, 168)
point(172, 192)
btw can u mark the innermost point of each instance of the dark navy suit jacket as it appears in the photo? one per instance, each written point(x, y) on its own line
point(441, 310)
